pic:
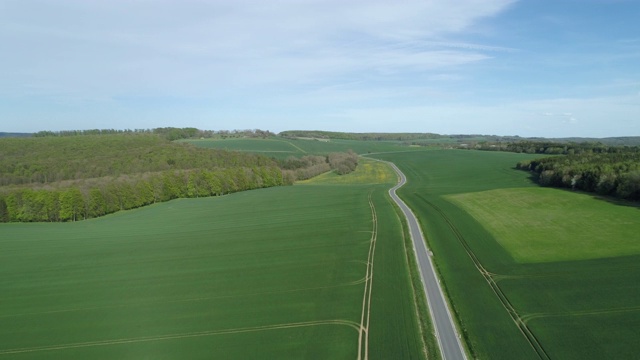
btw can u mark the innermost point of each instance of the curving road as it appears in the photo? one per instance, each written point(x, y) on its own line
point(446, 333)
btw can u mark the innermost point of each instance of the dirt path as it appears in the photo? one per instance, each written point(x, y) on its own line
point(363, 338)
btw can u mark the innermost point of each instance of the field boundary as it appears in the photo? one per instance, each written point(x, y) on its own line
point(295, 146)
point(529, 317)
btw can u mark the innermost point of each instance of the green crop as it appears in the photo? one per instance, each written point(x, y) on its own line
point(530, 272)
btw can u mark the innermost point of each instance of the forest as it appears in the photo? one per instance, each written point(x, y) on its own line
point(86, 175)
point(407, 138)
point(596, 168)
point(169, 133)
point(554, 147)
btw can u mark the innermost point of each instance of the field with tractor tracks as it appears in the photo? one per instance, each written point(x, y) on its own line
point(317, 270)
point(531, 272)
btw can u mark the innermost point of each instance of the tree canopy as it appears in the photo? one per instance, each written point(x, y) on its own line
point(606, 170)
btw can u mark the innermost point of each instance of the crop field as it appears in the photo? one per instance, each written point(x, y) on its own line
point(368, 172)
point(531, 272)
point(283, 148)
point(306, 271)
point(270, 147)
point(560, 225)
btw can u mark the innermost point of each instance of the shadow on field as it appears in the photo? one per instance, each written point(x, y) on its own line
point(616, 201)
point(533, 177)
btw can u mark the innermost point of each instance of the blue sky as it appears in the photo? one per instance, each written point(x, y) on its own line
point(530, 67)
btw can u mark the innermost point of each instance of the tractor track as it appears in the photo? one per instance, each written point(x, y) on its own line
point(520, 323)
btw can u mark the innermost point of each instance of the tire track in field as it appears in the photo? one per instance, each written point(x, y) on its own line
point(363, 332)
point(348, 323)
point(294, 145)
point(529, 317)
point(522, 326)
point(350, 283)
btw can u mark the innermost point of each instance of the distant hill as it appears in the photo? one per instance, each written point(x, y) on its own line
point(319, 134)
point(612, 141)
point(373, 136)
point(448, 139)
point(7, 134)
point(418, 138)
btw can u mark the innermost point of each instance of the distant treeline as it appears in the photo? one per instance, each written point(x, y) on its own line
point(407, 138)
point(606, 170)
point(6, 134)
point(552, 148)
point(169, 133)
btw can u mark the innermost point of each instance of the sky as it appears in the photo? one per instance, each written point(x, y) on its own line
point(549, 68)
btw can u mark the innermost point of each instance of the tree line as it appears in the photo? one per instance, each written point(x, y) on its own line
point(606, 170)
point(553, 147)
point(309, 166)
point(343, 163)
point(169, 133)
point(90, 198)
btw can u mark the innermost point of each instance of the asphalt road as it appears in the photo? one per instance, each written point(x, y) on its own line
point(446, 333)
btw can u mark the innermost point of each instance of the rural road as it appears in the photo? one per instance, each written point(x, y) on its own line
point(446, 333)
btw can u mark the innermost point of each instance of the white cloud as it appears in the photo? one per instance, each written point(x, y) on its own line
point(206, 47)
point(546, 118)
point(565, 117)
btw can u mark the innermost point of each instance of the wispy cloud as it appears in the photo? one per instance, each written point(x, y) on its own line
point(196, 47)
point(449, 66)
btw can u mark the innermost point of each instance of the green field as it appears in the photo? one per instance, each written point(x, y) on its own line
point(302, 271)
point(545, 224)
point(270, 147)
point(368, 172)
point(271, 273)
point(282, 147)
point(531, 272)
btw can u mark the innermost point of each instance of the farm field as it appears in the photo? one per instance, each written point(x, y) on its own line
point(270, 273)
point(560, 225)
point(565, 265)
point(271, 147)
point(368, 172)
point(282, 147)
